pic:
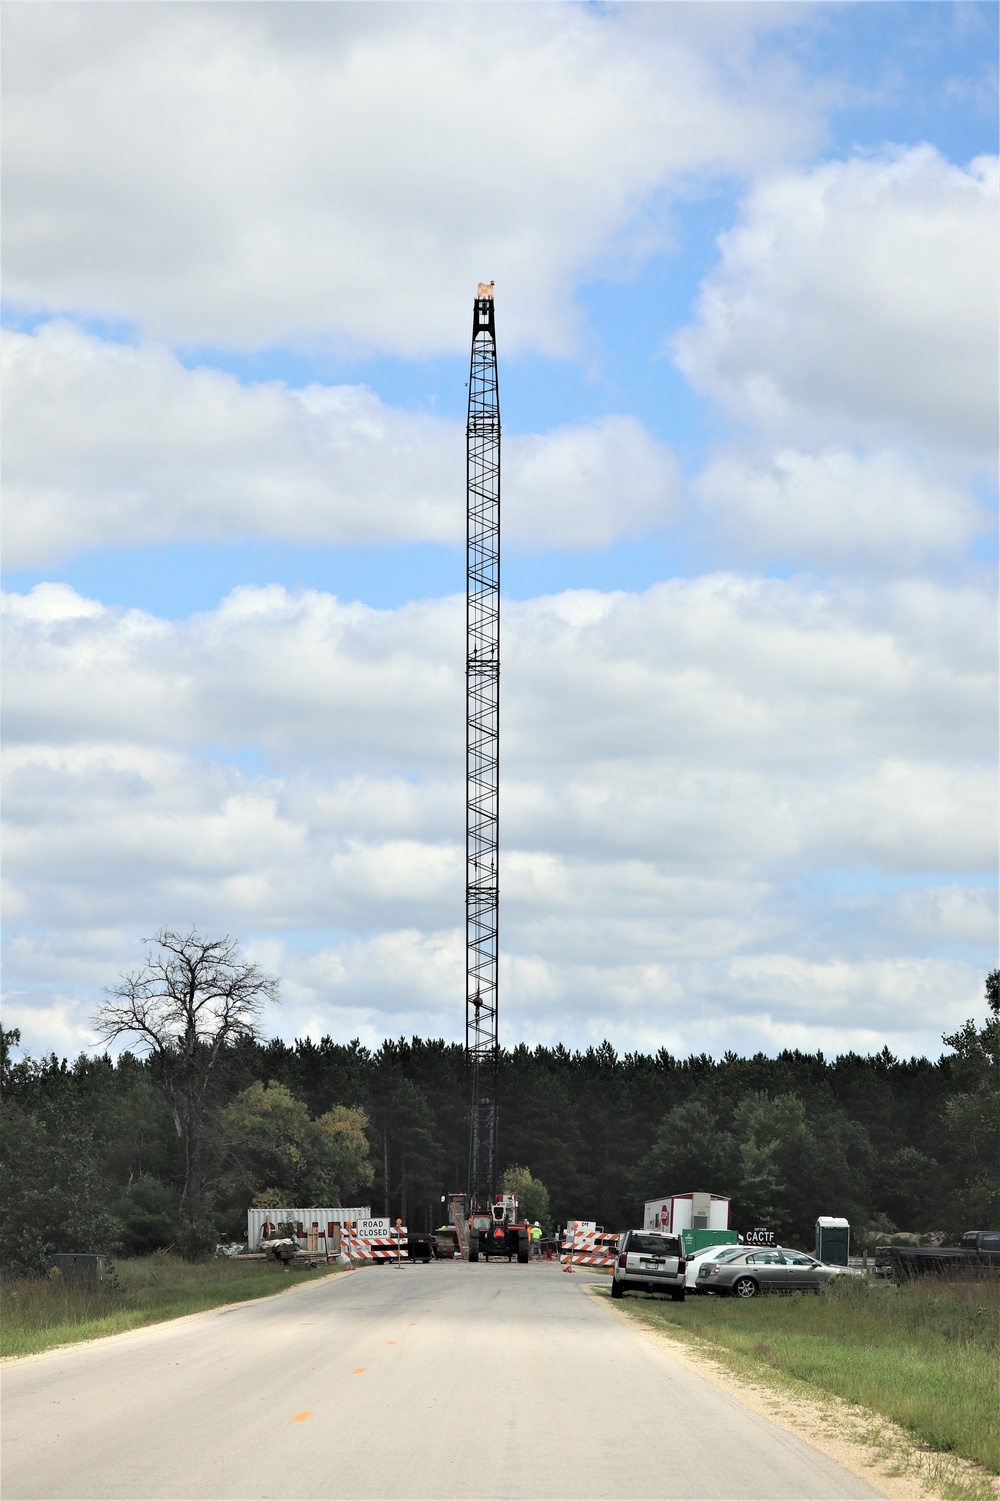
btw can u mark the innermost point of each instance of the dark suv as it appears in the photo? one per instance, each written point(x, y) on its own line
point(649, 1261)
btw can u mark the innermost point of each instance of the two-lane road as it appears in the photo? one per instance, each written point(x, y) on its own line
point(448, 1380)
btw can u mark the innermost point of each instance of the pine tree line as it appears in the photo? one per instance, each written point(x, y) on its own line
point(92, 1157)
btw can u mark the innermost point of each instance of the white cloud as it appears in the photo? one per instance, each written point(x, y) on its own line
point(247, 175)
point(108, 444)
point(837, 510)
point(683, 769)
point(856, 297)
point(409, 982)
point(714, 675)
point(951, 915)
point(587, 485)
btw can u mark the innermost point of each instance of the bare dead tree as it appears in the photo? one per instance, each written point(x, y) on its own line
point(192, 998)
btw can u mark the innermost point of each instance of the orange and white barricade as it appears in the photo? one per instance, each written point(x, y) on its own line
point(585, 1245)
point(391, 1247)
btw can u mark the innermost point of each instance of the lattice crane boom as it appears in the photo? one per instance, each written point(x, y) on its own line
point(482, 844)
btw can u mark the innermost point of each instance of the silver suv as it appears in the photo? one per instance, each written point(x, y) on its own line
point(649, 1261)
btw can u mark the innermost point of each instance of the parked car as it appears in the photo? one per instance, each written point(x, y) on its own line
point(706, 1255)
point(649, 1261)
point(751, 1272)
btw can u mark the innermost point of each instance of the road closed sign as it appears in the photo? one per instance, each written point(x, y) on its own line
point(372, 1227)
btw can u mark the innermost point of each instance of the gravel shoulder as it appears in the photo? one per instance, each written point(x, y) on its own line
point(870, 1447)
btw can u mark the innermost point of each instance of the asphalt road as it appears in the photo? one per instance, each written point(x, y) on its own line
point(446, 1380)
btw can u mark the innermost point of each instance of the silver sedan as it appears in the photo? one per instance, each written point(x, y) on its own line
point(750, 1273)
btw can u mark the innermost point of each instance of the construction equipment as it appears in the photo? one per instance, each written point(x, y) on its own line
point(491, 1222)
point(482, 890)
point(499, 1232)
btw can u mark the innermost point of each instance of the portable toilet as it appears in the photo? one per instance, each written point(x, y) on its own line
point(833, 1240)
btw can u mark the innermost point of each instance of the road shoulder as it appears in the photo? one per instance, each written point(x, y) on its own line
point(864, 1443)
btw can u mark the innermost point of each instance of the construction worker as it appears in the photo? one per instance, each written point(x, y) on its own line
point(536, 1235)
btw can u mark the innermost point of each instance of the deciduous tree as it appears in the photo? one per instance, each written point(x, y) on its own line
point(192, 999)
point(532, 1196)
point(278, 1149)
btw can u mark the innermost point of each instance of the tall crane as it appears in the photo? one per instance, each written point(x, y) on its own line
point(482, 887)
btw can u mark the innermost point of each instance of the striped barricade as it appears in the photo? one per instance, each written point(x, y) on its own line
point(392, 1247)
point(588, 1247)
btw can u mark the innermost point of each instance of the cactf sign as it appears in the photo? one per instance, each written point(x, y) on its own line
point(759, 1237)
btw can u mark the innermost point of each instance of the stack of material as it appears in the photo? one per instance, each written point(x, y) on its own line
point(283, 1249)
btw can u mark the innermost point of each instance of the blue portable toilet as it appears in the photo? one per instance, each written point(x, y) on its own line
point(833, 1240)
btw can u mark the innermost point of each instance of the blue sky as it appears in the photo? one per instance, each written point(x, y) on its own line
point(745, 265)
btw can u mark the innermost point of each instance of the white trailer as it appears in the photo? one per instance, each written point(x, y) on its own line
point(323, 1222)
point(693, 1211)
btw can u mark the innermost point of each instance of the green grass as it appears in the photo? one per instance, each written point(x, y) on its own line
point(40, 1313)
point(926, 1355)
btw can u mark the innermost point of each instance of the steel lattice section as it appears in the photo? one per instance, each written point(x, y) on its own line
point(482, 890)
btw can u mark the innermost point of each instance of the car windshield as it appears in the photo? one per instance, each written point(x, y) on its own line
point(655, 1245)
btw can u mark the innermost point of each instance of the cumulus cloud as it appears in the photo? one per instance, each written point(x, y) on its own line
point(127, 831)
point(858, 297)
point(242, 175)
point(681, 768)
point(838, 510)
point(716, 673)
point(110, 444)
point(407, 982)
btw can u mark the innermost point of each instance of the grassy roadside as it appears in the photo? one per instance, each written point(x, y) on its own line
point(926, 1356)
point(39, 1313)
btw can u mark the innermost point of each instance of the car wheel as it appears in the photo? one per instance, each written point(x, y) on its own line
point(617, 1291)
point(745, 1287)
point(677, 1297)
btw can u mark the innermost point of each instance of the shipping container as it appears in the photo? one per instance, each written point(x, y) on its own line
point(325, 1223)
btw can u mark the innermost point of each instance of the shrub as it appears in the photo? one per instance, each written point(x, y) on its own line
point(197, 1239)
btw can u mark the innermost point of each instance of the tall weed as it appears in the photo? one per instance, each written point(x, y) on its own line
point(37, 1313)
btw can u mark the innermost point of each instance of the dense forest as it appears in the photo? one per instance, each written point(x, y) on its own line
point(101, 1154)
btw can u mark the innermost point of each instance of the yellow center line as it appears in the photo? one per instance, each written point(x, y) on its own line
point(359, 1370)
point(300, 1417)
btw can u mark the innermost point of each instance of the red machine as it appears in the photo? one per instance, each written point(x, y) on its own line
point(500, 1233)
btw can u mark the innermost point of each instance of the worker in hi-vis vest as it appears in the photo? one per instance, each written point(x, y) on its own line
point(536, 1235)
